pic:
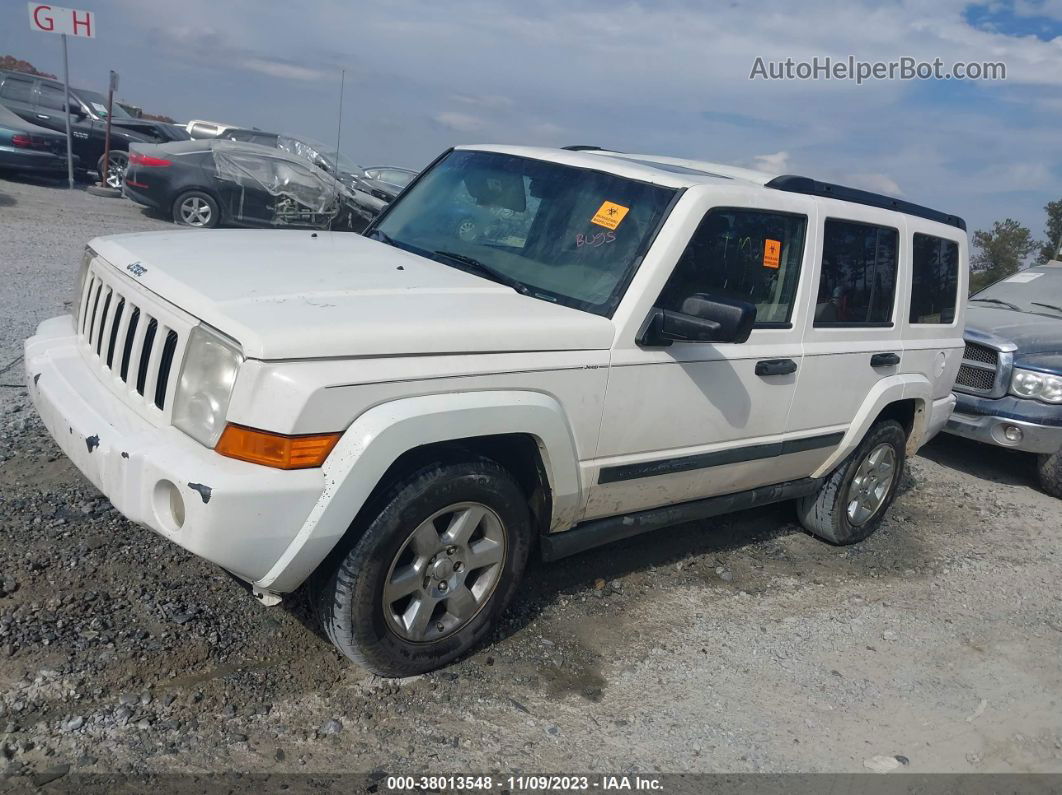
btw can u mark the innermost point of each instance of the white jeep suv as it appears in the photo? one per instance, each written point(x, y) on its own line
point(621, 343)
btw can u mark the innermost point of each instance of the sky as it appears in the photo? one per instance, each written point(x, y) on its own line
point(667, 77)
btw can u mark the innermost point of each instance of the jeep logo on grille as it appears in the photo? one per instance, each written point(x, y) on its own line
point(136, 269)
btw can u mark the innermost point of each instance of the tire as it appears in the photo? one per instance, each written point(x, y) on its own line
point(383, 632)
point(467, 229)
point(1049, 468)
point(195, 208)
point(837, 512)
point(119, 162)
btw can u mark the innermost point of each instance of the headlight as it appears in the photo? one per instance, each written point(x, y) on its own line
point(79, 287)
point(205, 386)
point(1040, 386)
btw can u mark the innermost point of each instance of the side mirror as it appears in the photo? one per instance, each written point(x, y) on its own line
point(77, 110)
point(702, 319)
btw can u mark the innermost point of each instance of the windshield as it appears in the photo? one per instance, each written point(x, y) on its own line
point(98, 103)
point(563, 234)
point(1036, 290)
point(319, 153)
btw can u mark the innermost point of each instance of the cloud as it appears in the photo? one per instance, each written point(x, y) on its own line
point(458, 122)
point(490, 102)
point(282, 69)
point(777, 163)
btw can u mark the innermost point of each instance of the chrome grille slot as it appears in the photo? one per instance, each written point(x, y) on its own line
point(984, 370)
point(135, 339)
point(980, 353)
point(975, 379)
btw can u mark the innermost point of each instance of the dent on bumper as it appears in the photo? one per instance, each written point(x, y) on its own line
point(989, 429)
point(239, 515)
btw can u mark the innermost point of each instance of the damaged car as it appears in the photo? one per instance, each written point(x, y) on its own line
point(218, 182)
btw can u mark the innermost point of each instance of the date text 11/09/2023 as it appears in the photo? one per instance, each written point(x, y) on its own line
point(523, 783)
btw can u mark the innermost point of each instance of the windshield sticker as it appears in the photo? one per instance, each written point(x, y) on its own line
point(772, 253)
point(600, 239)
point(100, 109)
point(609, 215)
point(1022, 278)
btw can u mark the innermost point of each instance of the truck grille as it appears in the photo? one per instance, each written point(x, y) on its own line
point(131, 340)
point(979, 372)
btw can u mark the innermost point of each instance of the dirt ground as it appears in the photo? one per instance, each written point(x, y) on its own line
point(739, 644)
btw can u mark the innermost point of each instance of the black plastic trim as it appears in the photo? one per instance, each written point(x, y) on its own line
point(615, 528)
point(812, 187)
point(733, 455)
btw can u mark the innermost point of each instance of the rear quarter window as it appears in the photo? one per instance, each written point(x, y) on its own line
point(18, 89)
point(934, 279)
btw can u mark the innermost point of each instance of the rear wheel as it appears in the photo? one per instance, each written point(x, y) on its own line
point(117, 163)
point(195, 208)
point(1049, 468)
point(433, 571)
point(852, 501)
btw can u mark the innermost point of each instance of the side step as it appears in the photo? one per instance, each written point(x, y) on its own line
point(613, 528)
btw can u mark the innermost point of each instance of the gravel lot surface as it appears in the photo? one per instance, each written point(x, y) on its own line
point(739, 644)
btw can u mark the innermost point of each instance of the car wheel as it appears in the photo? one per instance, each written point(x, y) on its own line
point(467, 229)
point(118, 162)
point(852, 500)
point(1049, 468)
point(434, 569)
point(196, 208)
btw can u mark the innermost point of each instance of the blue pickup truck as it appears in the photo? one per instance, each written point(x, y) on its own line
point(1009, 387)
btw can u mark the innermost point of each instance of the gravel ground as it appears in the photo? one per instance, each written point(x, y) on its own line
point(739, 644)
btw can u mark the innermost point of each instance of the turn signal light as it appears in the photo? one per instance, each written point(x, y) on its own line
point(276, 449)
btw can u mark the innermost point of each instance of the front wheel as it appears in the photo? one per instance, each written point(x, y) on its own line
point(852, 500)
point(1049, 468)
point(433, 570)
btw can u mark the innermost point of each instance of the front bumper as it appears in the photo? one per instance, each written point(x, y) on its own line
point(986, 420)
point(238, 515)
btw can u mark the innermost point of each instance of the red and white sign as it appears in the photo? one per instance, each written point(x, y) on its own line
point(71, 21)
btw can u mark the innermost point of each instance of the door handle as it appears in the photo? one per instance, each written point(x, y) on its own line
point(884, 359)
point(776, 367)
point(42, 116)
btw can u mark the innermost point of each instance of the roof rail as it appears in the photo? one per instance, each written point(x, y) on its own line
point(585, 148)
point(812, 187)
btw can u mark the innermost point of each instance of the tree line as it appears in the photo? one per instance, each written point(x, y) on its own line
point(1004, 249)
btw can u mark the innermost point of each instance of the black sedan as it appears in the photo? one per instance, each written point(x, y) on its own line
point(207, 183)
point(27, 148)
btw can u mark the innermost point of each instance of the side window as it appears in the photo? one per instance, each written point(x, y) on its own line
point(934, 279)
point(17, 89)
point(743, 254)
point(858, 282)
point(51, 97)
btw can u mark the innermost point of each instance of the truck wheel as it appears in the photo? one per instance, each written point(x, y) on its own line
point(195, 208)
point(852, 500)
point(433, 571)
point(117, 163)
point(1049, 468)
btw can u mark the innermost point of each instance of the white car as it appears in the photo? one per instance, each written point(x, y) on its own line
point(400, 419)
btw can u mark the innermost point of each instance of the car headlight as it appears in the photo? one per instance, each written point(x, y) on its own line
point(1039, 386)
point(208, 374)
point(79, 287)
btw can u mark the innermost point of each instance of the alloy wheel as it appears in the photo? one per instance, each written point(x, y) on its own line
point(871, 484)
point(445, 572)
point(195, 211)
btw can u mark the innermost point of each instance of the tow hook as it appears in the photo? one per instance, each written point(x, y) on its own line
point(268, 598)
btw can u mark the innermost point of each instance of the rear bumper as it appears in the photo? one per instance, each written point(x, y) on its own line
point(240, 516)
point(987, 420)
point(139, 196)
point(29, 160)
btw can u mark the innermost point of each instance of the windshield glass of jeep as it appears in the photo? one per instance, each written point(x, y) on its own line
point(1036, 290)
point(564, 234)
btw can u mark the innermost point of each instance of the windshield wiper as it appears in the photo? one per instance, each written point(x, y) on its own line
point(1049, 306)
point(1007, 304)
point(383, 237)
point(485, 270)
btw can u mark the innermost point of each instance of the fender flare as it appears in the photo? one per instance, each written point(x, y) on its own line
point(886, 391)
point(376, 439)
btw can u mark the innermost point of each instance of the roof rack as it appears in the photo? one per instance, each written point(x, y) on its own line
point(812, 187)
point(585, 148)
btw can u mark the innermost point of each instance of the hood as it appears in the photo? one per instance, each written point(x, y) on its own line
point(294, 295)
point(1033, 334)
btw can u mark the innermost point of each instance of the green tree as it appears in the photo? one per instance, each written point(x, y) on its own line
point(13, 64)
point(1053, 230)
point(1000, 251)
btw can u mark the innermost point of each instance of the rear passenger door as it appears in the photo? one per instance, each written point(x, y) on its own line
point(852, 338)
point(16, 92)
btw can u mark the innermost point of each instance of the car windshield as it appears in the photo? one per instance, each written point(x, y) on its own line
point(98, 103)
point(1036, 290)
point(569, 235)
point(320, 154)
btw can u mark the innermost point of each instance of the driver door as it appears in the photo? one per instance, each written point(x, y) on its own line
point(695, 419)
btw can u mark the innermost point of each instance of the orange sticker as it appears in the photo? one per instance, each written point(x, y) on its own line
point(772, 253)
point(609, 215)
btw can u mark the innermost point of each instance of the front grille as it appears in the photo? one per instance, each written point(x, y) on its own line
point(975, 379)
point(980, 353)
point(127, 341)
